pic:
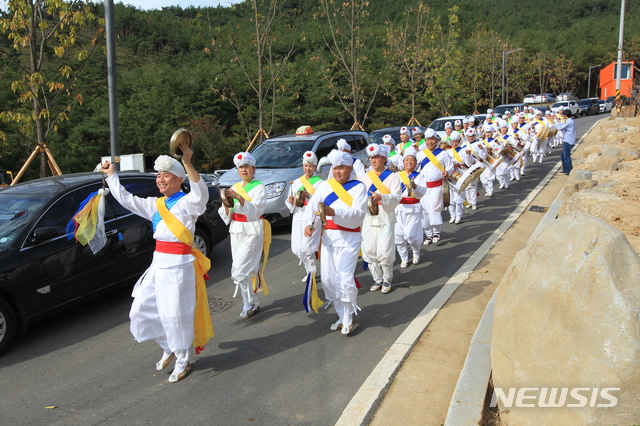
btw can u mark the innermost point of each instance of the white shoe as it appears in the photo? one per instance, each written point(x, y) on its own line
point(457, 220)
point(501, 186)
point(426, 242)
point(416, 259)
point(488, 194)
point(474, 208)
point(346, 329)
point(176, 377)
point(386, 287)
point(436, 238)
point(165, 361)
point(404, 264)
point(451, 220)
point(337, 325)
point(376, 286)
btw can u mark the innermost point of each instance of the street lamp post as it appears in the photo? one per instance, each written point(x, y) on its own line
point(589, 85)
point(504, 62)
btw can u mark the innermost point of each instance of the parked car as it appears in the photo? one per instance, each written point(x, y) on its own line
point(563, 105)
point(377, 135)
point(43, 272)
point(545, 98)
point(500, 110)
point(588, 107)
point(529, 99)
point(279, 162)
point(568, 96)
point(605, 106)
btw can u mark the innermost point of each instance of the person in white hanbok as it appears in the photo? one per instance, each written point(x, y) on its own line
point(460, 157)
point(304, 248)
point(431, 176)
point(378, 231)
point(470, 146)
point(489, 175)
point(345, 211)
point(357, 166)
point(246, 231)
point(409, 212)
point(164, 301)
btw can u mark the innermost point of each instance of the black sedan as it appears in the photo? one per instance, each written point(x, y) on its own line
point(588, 106)
point(42, 272)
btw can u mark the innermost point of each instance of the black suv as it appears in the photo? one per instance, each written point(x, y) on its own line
point(43, 272)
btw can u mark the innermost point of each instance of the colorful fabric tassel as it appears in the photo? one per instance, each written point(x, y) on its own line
point(311, 301)
point(87, 225)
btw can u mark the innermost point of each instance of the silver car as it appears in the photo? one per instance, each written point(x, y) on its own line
point(279, 163)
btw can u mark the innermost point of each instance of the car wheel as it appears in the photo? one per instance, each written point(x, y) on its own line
point(202, 241)
point(7, 324)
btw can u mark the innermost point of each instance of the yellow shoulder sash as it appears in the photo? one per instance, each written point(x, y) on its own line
point(341, 192)
point(202, 326)
point(433, 159)
point(404, 177)
point(240, 190)
point(456, 156)
point(307, 185)
point(375, 179)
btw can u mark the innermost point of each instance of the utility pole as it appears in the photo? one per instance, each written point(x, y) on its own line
point(112, 83)
point(620, 42)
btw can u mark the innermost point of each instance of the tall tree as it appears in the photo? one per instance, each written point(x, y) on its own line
point(265, 73)
point(346, 68)
point(47, 81)
point(407, 47)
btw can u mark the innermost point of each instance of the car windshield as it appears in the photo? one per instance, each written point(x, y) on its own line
point(584, 102)
point(16, 210)
point(438, 125)
point(281, 154)
point(560, 104)
point(376, 137)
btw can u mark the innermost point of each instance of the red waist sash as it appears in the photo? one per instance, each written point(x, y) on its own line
point(434, 184)
point(239, 217)
point(172, 248)
point(409, 200)
point(332, 225)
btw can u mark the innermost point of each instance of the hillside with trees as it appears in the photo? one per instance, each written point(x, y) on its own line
point(266, 67)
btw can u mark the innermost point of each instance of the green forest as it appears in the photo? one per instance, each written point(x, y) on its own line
point(225, 73)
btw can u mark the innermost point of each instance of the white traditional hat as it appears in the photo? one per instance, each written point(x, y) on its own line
point(310, 158)
point(388, 139)
point(340, 158)
point(503, 123)
point(521, 115)
point(516, 108)
point(164, 163)
point(405, 130)
point(469, 132)
point(455, 136)
point(411, 151)
point(457, 123)
point(465, 120)
point(489, 111)
point(416, 131)
point(488, 128)
point(244, 158)
point(448, 125)
point(537, 112)
point(375, 149)
point(547, 112)
point(507, 112)
point(430, 133)
point(343, 144)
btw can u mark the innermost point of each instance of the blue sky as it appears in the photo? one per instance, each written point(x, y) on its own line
point(159, 4)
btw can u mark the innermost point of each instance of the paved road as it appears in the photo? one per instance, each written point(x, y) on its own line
point(282, 366)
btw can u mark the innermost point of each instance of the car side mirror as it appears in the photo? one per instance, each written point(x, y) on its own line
point(45, 233)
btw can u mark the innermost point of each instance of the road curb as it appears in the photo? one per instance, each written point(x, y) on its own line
point(366, 400)
point(467, 401)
